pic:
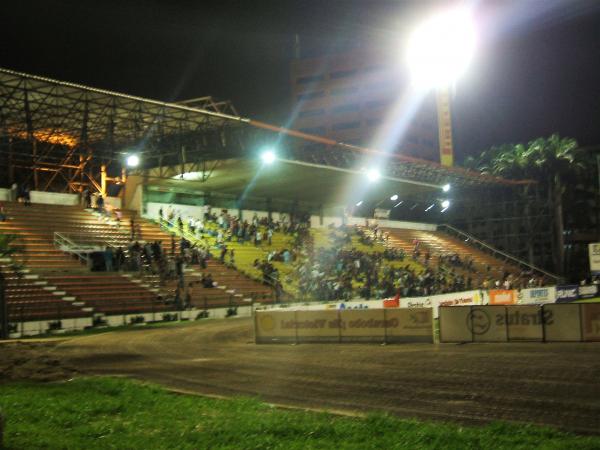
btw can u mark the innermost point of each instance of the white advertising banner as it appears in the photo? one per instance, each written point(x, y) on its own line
point(454, 299)
point(537, 296)
point(594, 250)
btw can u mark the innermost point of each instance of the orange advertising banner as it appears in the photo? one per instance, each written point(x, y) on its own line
point(503, 297)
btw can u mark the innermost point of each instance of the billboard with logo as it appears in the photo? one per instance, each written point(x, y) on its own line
point(356, 325)
point(594, 251)
point(537, 295)
point(590, 318)
point(503, 297)
point(567, 293)
point(588, 291)
point(435, 301)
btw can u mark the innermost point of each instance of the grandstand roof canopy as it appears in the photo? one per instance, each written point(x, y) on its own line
point(291, 180)
point(99, 125)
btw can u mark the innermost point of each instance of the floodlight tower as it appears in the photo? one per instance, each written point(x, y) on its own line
point(439, 52)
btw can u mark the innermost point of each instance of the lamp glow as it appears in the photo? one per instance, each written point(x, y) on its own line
point(441, 48)
point(133, 161)
point(268, 157)
point(446, 187)
point(373, 175)
point(446, 204)
point(359, 203)
point(394, 197)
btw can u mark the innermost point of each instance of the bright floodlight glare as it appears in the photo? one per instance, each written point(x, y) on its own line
point(359, 203)
point(373, 175)
point(394, 197)
point(445, 204)
point(446, 187)
point(429, 207)
point(133, 160)
point(268, 157)
point(441, 48)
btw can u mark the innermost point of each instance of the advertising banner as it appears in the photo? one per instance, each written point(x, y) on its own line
point(567, 293)
point(454, 323)
point(409, 325)
point(435, 301)
point(317, 326)
point(525, 323)
point(562, 321)
point(537, 295)
point(588, 291)
point(594, 251)
point(488, 323)
point(271, 326)
point(503, 297)
point(350, 325)
point(362, 325)
point(590, 317)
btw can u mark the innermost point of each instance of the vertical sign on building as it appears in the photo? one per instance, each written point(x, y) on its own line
point(594, 250)
point(445, 126)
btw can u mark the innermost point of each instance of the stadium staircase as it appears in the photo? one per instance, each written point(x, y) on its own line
point(439, 243)
point(52, 274)
point(232, 286)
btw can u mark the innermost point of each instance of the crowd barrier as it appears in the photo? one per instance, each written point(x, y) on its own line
point(559, 322)
point(362, 325)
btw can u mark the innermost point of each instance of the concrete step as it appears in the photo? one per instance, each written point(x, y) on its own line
point(58, 292)
point(68, 298)
point(49, 288)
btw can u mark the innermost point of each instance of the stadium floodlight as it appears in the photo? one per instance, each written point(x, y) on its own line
point(429, 207)
point(446, 204)
point(394, 197)
point(399, 203)
point(441, 48)
point(373, 175)
point(359, 203)
point(133, 160)
point(268, 156)
point(446, 187)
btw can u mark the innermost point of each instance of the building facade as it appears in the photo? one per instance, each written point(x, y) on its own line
point(349, 97)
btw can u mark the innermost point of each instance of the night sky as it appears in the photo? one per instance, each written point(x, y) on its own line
point(537, 69)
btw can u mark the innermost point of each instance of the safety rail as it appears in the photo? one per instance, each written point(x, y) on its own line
point(494, 251)
point(64, 243)
point(171, 227)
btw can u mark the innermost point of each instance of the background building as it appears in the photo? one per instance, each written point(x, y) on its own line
point(347, 97)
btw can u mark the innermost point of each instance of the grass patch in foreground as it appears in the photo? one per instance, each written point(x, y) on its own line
point(102, 413)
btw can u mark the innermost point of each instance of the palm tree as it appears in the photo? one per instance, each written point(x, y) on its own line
point(8, 249)
point(551, 161)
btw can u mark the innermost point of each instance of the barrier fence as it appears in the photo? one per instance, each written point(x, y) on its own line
point(31, 318)
point(372, 325)
point(556, 322)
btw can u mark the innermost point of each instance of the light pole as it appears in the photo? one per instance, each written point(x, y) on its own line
point(439, 52)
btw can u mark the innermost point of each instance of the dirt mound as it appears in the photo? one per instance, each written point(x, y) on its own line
point(24, 361)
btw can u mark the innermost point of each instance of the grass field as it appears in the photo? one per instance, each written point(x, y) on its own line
point(102, 413)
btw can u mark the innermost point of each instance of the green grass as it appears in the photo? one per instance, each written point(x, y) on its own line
point(105, 413)
point(589, 300)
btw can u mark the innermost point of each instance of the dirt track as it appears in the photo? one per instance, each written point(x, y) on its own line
point(554, 384)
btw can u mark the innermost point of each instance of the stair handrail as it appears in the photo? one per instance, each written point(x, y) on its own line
point(62, 242)
point(494, 250)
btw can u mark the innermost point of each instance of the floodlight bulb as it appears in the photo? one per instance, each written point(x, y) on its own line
point(394, 197)
point(446, 187)
point(445, 204)
point(268, 157)
point(133, 160)
point(373, 175)
point(441, 48)
point(359, 203)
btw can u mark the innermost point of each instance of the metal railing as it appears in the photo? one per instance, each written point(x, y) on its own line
point(449, 229)
point(66, 244)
